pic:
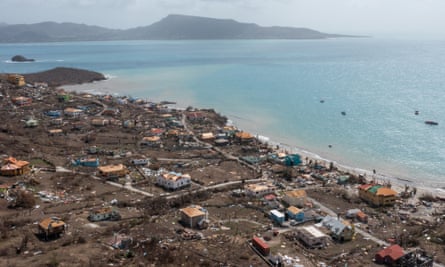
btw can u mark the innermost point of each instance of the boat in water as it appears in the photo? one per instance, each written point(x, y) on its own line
point(431, 123)
point(343, 113)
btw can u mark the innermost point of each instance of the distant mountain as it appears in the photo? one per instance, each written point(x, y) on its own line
point(54, 32)
point(172, 27)
point(175, 27)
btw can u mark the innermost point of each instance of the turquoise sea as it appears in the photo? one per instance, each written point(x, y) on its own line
point(274, 88)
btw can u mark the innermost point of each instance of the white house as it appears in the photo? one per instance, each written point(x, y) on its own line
point(312, 237)
point(173, 180)
point(259, 190)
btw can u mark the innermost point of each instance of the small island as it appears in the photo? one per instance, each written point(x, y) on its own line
point(20, 58)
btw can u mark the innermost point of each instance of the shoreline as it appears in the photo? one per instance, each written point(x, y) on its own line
point(397, 182)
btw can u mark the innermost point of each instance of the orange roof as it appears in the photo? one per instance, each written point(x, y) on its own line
point(365, 187)
point(296, 193)
point(294, 210)
point(53, 221)
point(243, 135)
point(192, 212)
point(385, 191)
point(112, 168)
point(151, 138)
point(18, 163)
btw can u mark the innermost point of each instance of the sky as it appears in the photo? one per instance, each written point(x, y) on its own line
point(402, 18)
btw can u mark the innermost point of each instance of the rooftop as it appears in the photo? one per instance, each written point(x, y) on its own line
point(193, 211)
point(313, 231)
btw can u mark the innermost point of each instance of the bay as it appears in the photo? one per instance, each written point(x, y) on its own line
point(275, 87)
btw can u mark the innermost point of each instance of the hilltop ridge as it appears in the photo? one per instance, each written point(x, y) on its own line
point(172, 27)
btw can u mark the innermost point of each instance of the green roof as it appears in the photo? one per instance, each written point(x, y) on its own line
point(374, 189)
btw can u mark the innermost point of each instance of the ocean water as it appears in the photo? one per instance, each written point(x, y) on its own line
point(274, 88)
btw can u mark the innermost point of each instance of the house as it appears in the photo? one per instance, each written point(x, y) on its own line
point(53, 113)
point(121, 241)
point(113, 171)
point(151, 141)
point(297, 198)
point(157, 131)
point(31, 123)
point(311, 237)
point(340, 230)
point(73, 112)
point(86, 162)
point(54, 132)
point(52, 226)
point(140, 161)
point(207, 136)
point(173, 180)
point(194, 216)
point(104, 214)
point(63, 97)
point(357, 214)
point(22, 101)
point(109, 111)
point(57, 121)
point(17, 79)
point(377, 195)
point(12, 167)
point(295, 213)
point(389, 255)
point(277, 217)
point(362, 217)
point(196, 116)
point(99, 122)
point(285, 159)
point(259, 190)
point(417, 258)
point(244, 137)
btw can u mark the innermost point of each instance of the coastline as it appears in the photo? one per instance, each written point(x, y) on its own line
point(398, 183)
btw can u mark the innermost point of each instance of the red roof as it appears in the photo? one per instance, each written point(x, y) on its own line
point(390, 254)
point(365, 187)
point(269, 197)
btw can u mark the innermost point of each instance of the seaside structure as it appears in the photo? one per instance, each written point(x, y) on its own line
point(113, 171)
point(16, 79)
point(244, 137)
point(173, 180)
point(52, 226)
point(196, 116)
point(377, 195)
point(259, 190)
point(13, 167)
point(339, 229)
point(297, 198)
point(311, 237)
point(194, 217)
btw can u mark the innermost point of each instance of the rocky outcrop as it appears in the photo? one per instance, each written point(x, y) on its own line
point(20, 58)
point(64, 76)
